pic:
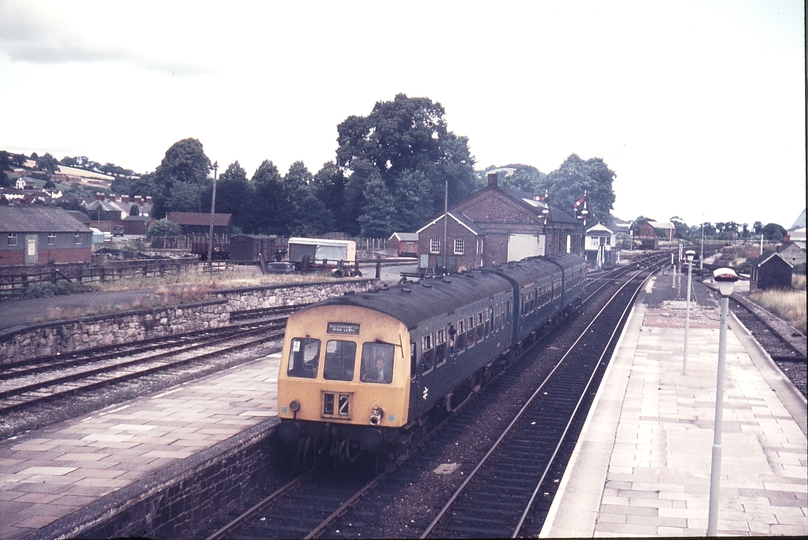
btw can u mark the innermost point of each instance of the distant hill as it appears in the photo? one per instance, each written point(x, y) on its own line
point(800, 223)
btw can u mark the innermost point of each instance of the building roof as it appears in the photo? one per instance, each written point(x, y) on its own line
point(199, 218)
point(598, 229)
point(459, 218)
point(766, 257)
point(35, 219)
point(405, 236)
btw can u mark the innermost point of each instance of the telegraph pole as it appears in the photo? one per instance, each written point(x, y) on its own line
point(215, 168)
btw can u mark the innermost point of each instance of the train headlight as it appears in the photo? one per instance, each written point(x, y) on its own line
point(294, 406)
point(376, 416)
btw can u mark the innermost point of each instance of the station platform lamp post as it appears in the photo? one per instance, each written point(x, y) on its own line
point(689, 255)
point(725, 278)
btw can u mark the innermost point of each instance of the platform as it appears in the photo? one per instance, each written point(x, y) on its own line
point(641, 466)
point(53, 473)
point(642, 463)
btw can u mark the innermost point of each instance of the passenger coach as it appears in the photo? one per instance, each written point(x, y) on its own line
point(364, 371)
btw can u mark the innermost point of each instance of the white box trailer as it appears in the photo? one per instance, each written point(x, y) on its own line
point(339, 255)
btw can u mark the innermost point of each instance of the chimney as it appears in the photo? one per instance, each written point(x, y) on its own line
point(492, 179)
point(112, 197)
point(148, 199)
point(786, 238)
point(139, 199)
point(125, 199)
point(99, 196)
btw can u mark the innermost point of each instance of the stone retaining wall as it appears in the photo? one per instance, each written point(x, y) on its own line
point(70, 335)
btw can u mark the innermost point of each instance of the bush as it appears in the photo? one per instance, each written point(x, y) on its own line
point(59, 288)
point(164, 227)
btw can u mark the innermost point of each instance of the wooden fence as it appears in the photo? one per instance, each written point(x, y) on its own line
point(15, 280)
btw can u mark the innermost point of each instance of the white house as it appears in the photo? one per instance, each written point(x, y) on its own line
point(598, 245)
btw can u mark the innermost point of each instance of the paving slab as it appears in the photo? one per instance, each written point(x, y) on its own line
point(643, 461)
point(52, 472)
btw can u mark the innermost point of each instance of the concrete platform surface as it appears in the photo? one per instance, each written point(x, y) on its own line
point(52, 472)
point(642, 463)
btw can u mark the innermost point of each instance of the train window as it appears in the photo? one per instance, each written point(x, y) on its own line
point(377, 362)
point(340, 359)
point(461, 336)
point(440, 346)
point(489, 316)
point(427, 353)
point(480, 327)
point(304, 358)
point(413, 361)
point(470, 331)
point(452, 340)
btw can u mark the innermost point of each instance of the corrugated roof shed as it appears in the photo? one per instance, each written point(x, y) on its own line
point(35, 219)
point(196, 218)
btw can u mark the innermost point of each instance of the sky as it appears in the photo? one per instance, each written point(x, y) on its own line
point(697, 106)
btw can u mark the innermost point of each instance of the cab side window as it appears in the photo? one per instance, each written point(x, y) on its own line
point(377, 362)
point(304, 358)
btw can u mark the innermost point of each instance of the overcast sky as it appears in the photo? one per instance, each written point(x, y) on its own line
point(698, 107)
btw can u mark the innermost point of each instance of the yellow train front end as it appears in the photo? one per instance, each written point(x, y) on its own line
point(344, 380)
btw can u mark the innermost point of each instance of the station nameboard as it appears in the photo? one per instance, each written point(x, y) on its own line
point(351, 329)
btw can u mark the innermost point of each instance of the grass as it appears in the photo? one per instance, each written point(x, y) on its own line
point(788, 305)
point(184, 288)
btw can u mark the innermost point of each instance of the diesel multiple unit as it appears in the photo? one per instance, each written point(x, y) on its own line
point(368, 371)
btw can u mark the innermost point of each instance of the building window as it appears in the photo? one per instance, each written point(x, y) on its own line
point(434, 245)
point(51, 239)
point(458, 246)
point(12, 239)
point(77, 238)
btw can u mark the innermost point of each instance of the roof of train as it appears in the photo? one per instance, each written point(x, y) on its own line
point(530, 270)
point(412, 303)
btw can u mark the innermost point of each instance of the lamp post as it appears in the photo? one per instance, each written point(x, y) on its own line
point(215, 168)
point(725, 278)
point(689, 254)
point(701, 255)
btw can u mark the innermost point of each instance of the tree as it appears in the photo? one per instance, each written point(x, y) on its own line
point(567, 184)
point(5, 163)
point(411, 191)
point(233, 190)
point(376, 218)
point(329, 187)
point(184, 169)
point(47, 163)
point(307, 213)
point(525, 179)
point(163, 227)
point(773, 232)
point(266, 210)
point(408, 134)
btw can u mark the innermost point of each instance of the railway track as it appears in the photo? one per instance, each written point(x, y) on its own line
point(785, 345)
point(497, 496)
point(380, 506)
point(43, 390)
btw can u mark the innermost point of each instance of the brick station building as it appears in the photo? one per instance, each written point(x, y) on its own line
point(496, 225)
point(31, 235)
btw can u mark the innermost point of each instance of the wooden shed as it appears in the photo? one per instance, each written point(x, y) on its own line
point(251, 248)
point(770, 271)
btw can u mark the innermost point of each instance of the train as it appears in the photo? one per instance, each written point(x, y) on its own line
point(370, 372)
